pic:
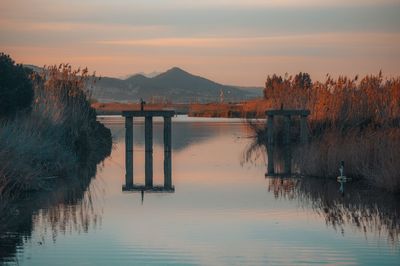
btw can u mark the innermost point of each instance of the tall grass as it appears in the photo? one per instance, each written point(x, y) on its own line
point(343, 102)
point(352, 120)
point(60, 132)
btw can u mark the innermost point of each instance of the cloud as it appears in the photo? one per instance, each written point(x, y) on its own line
point(334, 44)
point(230, 41)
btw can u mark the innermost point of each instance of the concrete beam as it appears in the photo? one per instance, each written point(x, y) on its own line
point(167, 152)
point(149, 113)
point(148, 143)
point(129, 151)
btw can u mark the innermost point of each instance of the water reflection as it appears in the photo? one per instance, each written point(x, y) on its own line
point(220, 214)
point(66, 206)
point(185, 132)
point(372, 211)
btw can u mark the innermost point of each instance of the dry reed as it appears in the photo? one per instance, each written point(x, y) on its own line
point(352, 120)
point(60, 131)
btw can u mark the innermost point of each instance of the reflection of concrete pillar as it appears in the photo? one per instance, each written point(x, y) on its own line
point(303, 130)
point(270, 155)
point(148, 143)
point(167, 152)
point(270, 130)
point(287, 153)
point(286, 130)
point(128, 151)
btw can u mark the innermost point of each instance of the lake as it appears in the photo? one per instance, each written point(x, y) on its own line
point(224, 211)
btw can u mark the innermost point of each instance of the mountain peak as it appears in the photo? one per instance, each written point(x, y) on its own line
point(176, 70)
point(136, 77)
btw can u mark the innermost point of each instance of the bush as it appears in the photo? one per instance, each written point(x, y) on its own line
point(16, 92)
point(59, 135)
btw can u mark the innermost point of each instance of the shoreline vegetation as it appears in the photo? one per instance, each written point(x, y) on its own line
point(352, 120)
point(53, 136)
point(355, 120)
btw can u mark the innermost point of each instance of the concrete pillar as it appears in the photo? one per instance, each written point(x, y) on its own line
point(167, 152)
point(128, 151)
point(286, 130)
point(286, 141)
point(303, 130)
point(148, 143)
point(270, 144)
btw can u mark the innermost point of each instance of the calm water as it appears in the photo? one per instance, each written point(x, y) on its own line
point(224, 211)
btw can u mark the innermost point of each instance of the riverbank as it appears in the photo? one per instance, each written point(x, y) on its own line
point(54, 138)
point(351, 120)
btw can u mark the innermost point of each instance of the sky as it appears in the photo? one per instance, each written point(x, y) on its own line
point(236, 42)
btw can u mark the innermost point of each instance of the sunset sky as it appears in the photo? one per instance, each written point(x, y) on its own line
point(230, 41)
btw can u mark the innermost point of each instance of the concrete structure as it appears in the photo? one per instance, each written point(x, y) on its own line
point(148, 115)
point(287, 114)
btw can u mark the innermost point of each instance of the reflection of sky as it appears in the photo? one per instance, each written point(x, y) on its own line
point(184, 131)
point(221, 213)
point(235, 42)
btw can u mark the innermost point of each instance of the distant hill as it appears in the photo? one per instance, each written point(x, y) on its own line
point(257, 91)
point(34, 68)
point(174, 85)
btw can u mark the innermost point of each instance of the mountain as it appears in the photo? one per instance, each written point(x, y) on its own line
point(33, 68)
point(174, 85)
point(256, 91)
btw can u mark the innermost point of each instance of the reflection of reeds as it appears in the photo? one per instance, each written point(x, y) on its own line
point(372, 211)
point(72, 205)
point(283, 187)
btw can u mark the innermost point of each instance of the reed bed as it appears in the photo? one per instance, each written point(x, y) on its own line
point(352, 120)
point(341, 103)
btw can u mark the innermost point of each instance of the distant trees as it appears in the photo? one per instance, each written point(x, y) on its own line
point(16, 89)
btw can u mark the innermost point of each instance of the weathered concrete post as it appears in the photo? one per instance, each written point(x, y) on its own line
point(286, 130)
point(167, 152)
point(287, 114)
point(129, 151)
point(148, 127)
point(270, 144)
point(303, 129)
point(148, 143)
point(286, 141)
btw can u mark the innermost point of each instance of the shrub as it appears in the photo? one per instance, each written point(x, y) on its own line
point(16, 92)
point(60, 133)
